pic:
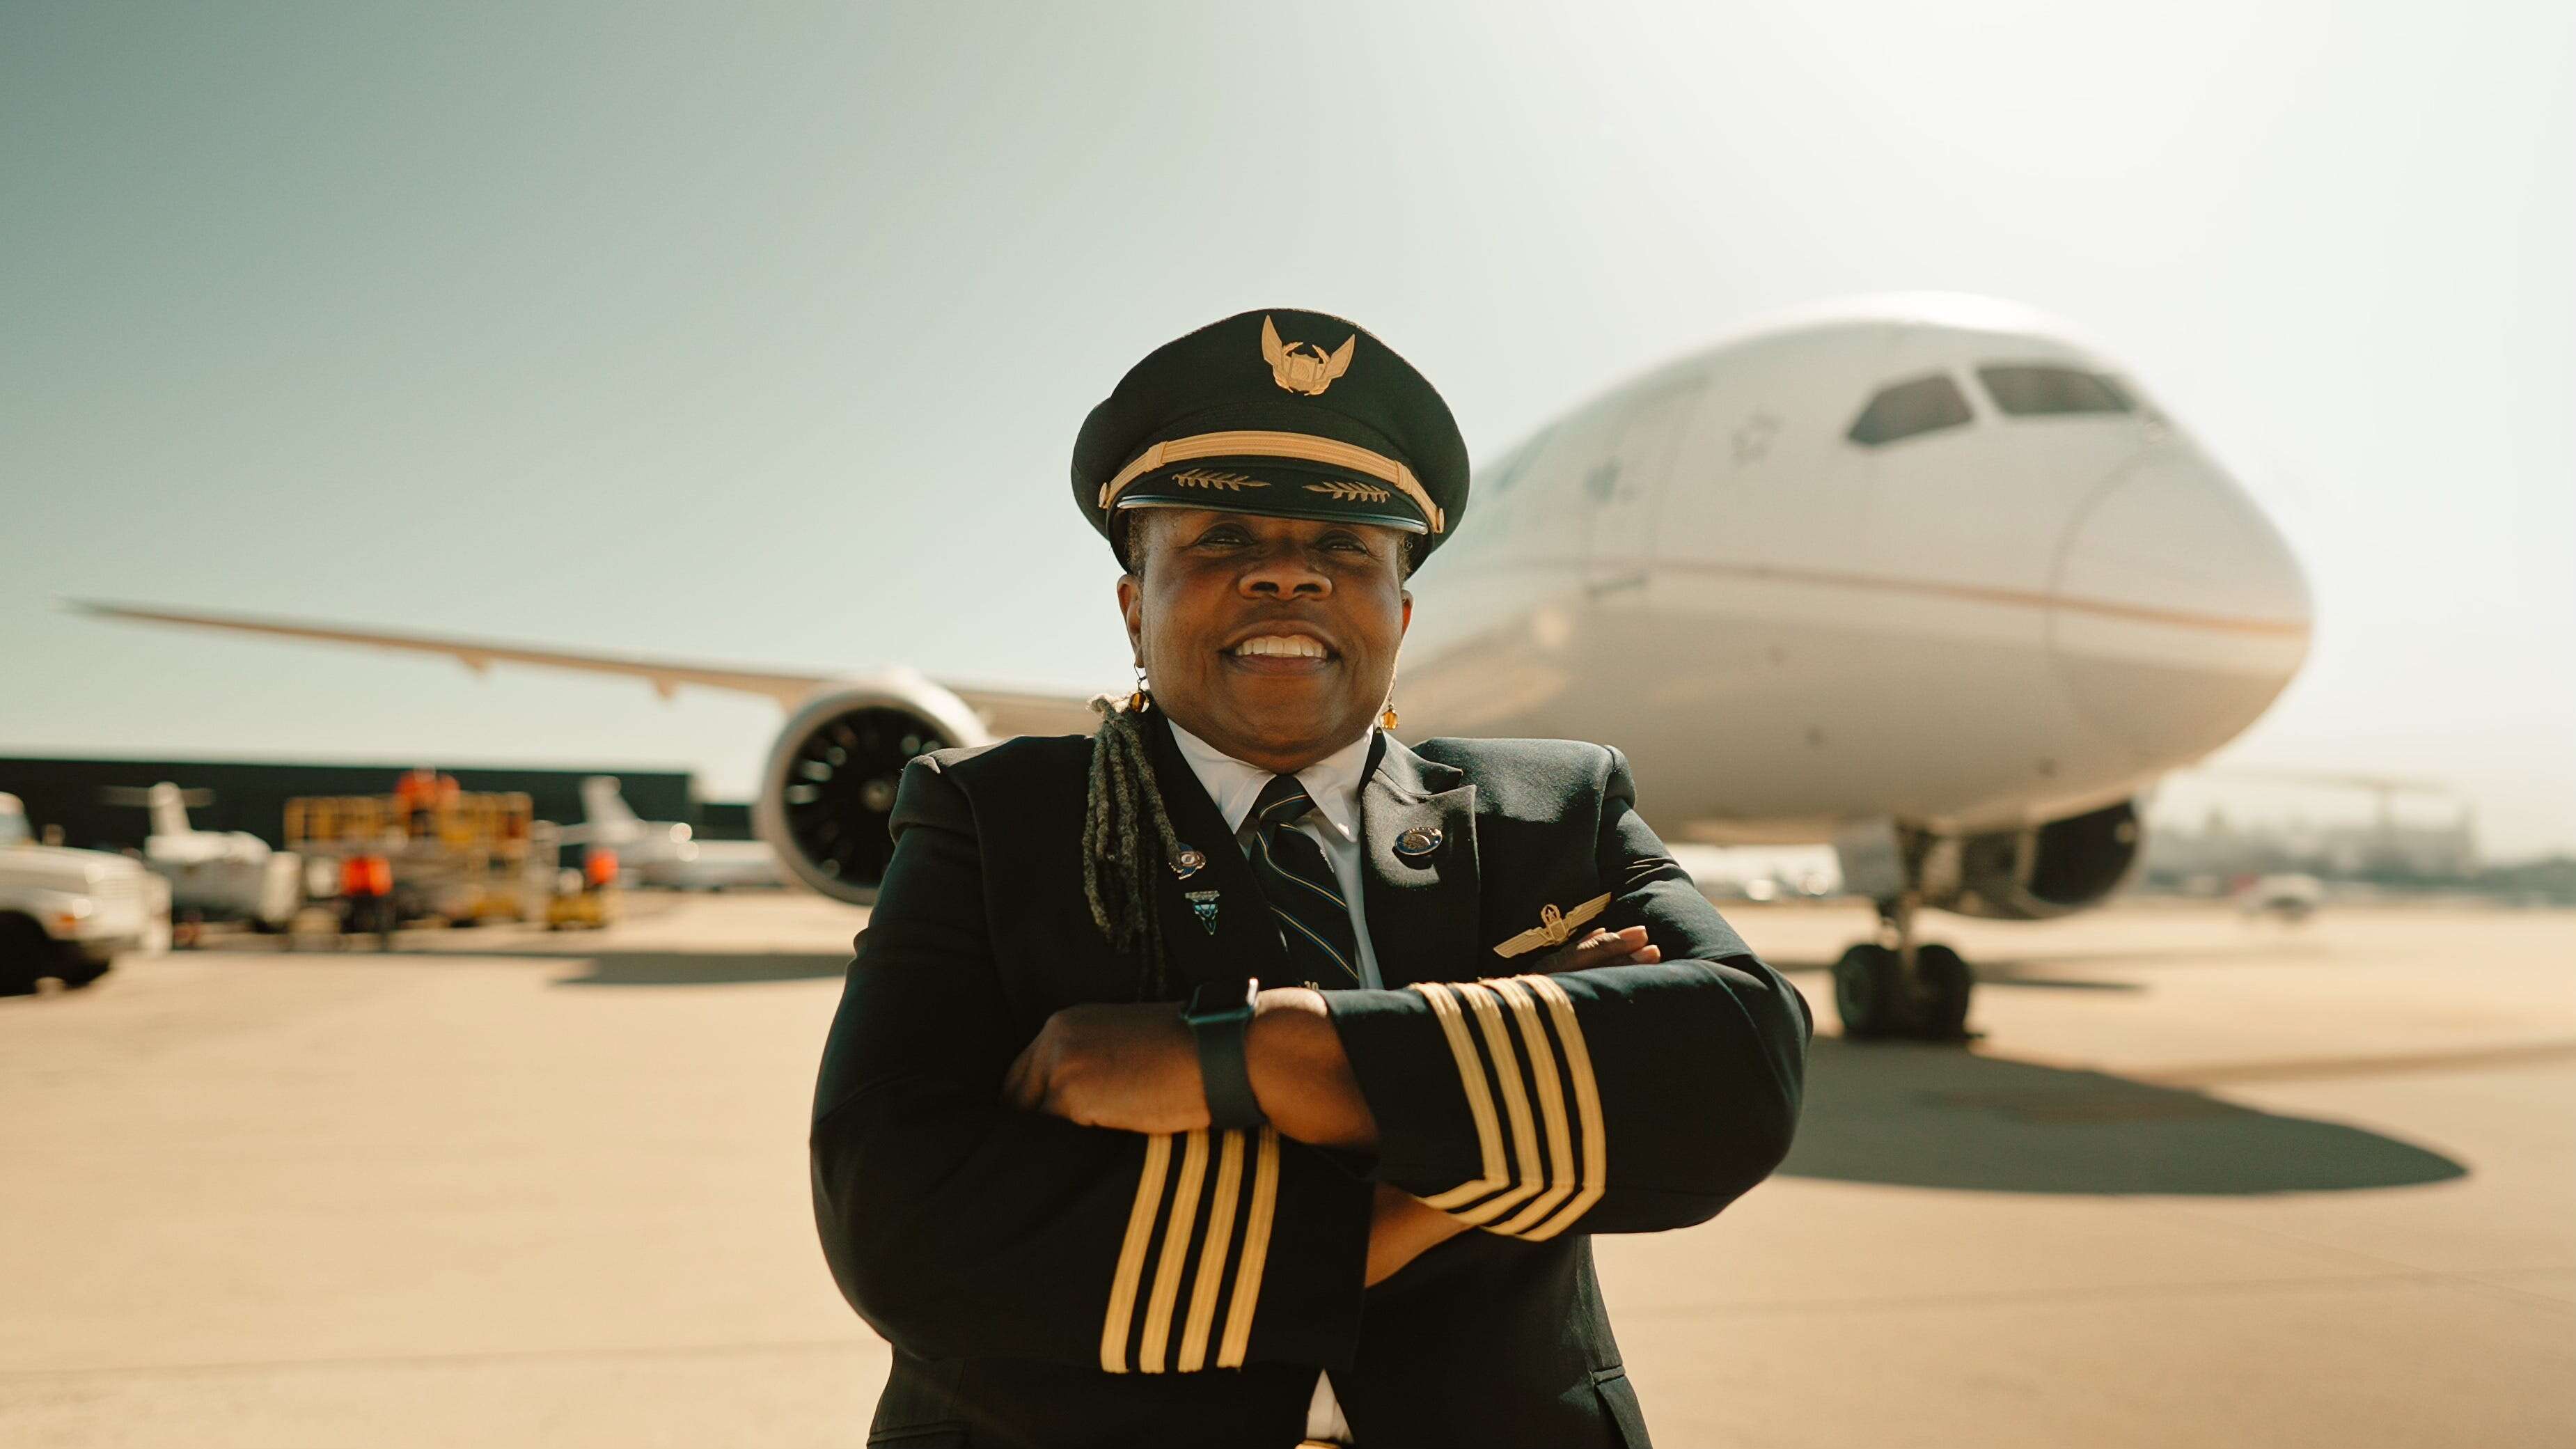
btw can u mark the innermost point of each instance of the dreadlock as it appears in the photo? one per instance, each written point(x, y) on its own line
point(1126, 839)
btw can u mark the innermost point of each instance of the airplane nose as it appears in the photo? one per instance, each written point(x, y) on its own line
point(2178, 612)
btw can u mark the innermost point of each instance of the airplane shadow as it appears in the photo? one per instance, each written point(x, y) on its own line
point(1897, 1113)
point(1938, 1116)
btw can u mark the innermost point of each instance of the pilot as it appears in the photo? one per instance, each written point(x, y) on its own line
point(1240, 1075)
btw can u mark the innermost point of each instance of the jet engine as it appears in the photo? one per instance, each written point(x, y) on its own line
point(2040, 871)
point(830, 784)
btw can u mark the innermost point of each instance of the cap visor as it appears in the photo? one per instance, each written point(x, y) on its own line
point(1274, 489)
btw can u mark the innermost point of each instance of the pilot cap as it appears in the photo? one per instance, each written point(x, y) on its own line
point(1279, 412)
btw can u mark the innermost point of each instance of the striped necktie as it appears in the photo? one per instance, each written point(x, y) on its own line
point(1314, 921)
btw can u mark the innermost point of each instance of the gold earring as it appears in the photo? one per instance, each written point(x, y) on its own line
point(1387, 717)
point(1137, 701)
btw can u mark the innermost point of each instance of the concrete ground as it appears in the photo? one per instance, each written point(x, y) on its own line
point(2200, 1182)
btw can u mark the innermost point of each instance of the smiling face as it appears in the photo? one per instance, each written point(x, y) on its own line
point(1273, 639)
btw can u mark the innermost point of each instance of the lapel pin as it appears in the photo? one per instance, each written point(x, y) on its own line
point(1188, 863)
point(1554, 926)
point(1417, 841)
point(1203, 906)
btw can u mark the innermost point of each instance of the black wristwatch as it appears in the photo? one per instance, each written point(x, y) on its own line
point(1220, 1016)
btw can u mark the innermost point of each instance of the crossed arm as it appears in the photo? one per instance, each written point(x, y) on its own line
point(1087, 1213)
point(1133, 1067)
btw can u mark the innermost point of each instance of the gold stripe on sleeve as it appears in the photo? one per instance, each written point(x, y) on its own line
point(1131, 1254)
point(1498, 1050)
point(1480, 1102)
point(1587, 1102)
point(1256, 1250)
point(1176, 1252)
point(1211, 1274)
point(1551, 1103)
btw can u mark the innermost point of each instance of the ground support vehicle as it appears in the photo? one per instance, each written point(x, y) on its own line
point(69, 913)
point(456, 859)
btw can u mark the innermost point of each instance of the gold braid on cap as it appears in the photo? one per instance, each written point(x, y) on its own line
point(1298, 447)
point(1126, 839)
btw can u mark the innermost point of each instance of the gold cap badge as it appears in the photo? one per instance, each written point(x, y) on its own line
point(1304, 366)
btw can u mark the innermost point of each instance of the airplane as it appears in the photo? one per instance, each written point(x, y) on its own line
point(666, 852)
point(1926, 577)
point(223, 875)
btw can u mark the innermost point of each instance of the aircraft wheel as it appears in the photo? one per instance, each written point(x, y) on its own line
point(1945, 984)
point(1869, 991)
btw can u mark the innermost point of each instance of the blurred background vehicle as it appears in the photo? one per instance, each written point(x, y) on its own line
point(216, 875)
point(68, 914)
point(425, 852)
point(666, 853)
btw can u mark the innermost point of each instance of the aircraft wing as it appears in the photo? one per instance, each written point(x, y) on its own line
point(1018, 712)
point(1006, 712)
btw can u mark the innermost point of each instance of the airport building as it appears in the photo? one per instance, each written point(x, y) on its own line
point(96, 803)
point(2384, 849)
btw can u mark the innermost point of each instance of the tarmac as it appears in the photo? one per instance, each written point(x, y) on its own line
point(2201, 1180)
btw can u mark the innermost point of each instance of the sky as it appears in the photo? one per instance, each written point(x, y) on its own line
point(761, 333)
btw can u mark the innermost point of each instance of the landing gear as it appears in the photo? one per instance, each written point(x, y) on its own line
point(1869, 991)
point(1943, 984)
point(1894, 988)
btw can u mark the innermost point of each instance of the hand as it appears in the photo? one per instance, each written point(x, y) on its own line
point(1601, 948)
point(1402, 1229)
point(1131, 1066)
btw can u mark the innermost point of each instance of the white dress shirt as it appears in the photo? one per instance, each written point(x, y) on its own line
point(1334, 823)
point(1334, 784)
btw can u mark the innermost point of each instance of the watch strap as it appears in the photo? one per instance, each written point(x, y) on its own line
point(1226, 1070)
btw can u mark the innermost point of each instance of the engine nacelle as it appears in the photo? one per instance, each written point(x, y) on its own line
point(830, 784)
point(2041, 871)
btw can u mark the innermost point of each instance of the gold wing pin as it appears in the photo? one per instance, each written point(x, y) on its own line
point(1554, 927)
point(1303, 366)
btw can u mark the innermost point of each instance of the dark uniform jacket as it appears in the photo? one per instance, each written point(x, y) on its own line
point(1049, 1284)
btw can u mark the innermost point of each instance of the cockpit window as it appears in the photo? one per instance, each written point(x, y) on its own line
point(1904, 409)
point(2028, 390)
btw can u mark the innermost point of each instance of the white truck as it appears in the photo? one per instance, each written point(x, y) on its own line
point(70, 913)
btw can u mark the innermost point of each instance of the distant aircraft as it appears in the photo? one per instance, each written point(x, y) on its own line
point(2291, 897)
point(1924, 577)
point(667, 852)
point(223, 875)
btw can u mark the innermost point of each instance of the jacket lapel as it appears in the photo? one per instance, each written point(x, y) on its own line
point(1225, 933)
point(1422, 902)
